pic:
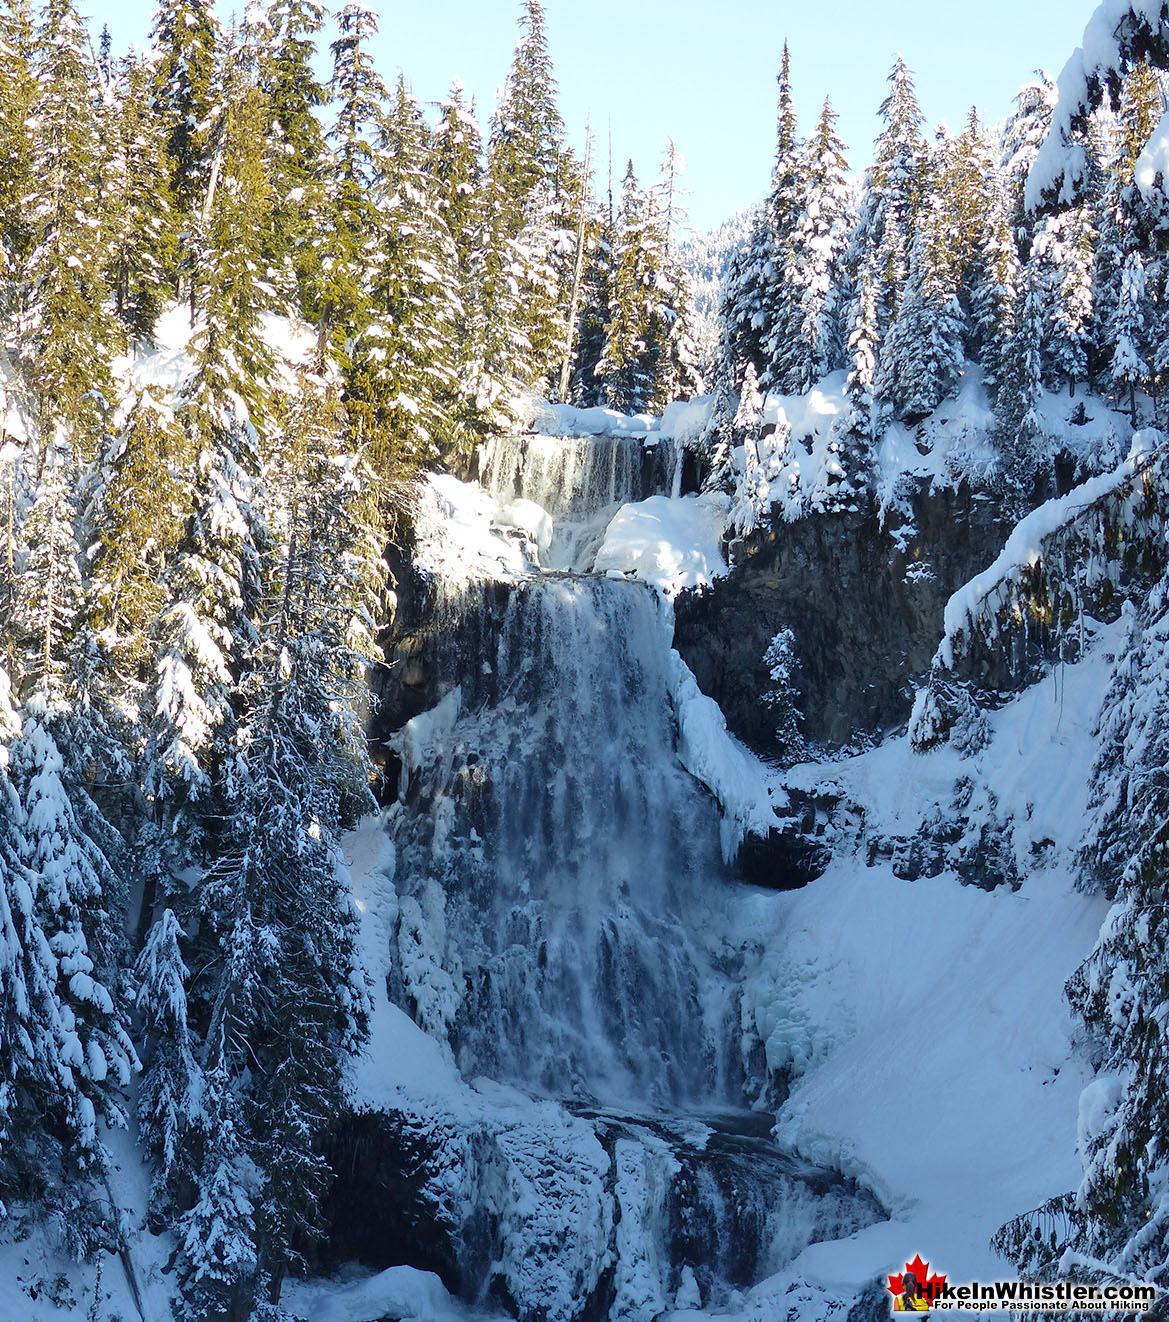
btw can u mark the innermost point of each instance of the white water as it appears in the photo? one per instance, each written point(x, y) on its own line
point(594, 860)
point(581, 481)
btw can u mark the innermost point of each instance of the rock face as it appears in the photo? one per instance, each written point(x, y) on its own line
point(864, 601)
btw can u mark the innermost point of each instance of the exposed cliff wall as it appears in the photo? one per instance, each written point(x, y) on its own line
point(864, 599)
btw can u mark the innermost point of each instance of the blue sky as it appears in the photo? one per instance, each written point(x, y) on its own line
point(703, 71)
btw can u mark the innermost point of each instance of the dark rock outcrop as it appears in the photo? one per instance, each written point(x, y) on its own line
point(864, 601)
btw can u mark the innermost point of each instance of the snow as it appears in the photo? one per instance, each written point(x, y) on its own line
point(397, 1292)
point(565, 420)
point(398, 1055)
point(1061, 164)
point(715, 757)
point(1152, 165)
point(671, 544)
point(926, 1020)
point(456, 534)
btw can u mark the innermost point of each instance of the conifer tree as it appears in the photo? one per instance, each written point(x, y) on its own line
point(627, 367)
point(341, 302)
point(859, 433)
point(1023, 133)
point(285, 1005)
point(184, 39)
point(805, 343)
point(64, 1052)
point(457, 169)
point(718, 437)
point(171, 1101)
point(894, 188)
point(401, 382)
point(782, 698)
point(532, 185)
point(755, 309)
point(142, 231)
point(1130, 333)
point(921, 360)
point(282, 48)
point(18, 92)
point(1019, 431)
point(1062, 256)
point(66, 334)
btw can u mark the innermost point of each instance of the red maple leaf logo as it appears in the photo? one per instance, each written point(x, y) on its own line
point(930, 1286)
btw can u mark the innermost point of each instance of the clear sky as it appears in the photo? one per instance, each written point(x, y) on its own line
point(703, 71)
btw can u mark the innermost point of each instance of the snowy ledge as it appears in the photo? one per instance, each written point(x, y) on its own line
point(1024, 548)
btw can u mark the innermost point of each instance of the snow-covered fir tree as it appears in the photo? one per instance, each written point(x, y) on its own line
point(806, 342)
point(893, 191)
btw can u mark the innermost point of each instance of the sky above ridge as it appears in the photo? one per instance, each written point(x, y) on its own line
point(704, 73)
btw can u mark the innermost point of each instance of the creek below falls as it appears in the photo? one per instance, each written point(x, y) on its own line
point(560, 898)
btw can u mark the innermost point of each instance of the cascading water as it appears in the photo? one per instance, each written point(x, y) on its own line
point(560, 886)
point(576, 855)
point(581, 481)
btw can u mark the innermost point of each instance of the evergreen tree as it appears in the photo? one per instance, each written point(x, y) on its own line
point(184, 39)
point(921, 361)
point(1062, 257)
point(1018, 428)
point(718, 439)
point(893, 192)
point(1130, 333)
point(66, 334)
point(782, 698)
point(18, 92)
point(142, 239)
point(628, 362)
point(533, 188)
point(859, 433)
point(282, 48)
point(171, 1101)
point(64, 1052)
point(1023, 133)
point(457, 170)
point(756, 309)
point(805, 344)
point(341, 301)
point(401, 382)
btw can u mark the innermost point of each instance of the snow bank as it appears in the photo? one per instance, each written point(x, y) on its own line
point(684, 420)
point(671, 544)
point(460, 537)
point(1061, 165)
point(926, 1020)
point(1152, 165)
point(565, 420)
point(398, 1292)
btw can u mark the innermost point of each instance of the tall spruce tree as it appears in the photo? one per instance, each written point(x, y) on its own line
point(895, 185)
point(67, 335)
point(805, 343)
point(755, 309)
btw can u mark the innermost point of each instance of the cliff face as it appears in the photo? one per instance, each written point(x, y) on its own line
point(863, 600)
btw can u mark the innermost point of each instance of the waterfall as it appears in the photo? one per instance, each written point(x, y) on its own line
point(579, 854)
point(560, 895)
point(581, 481)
